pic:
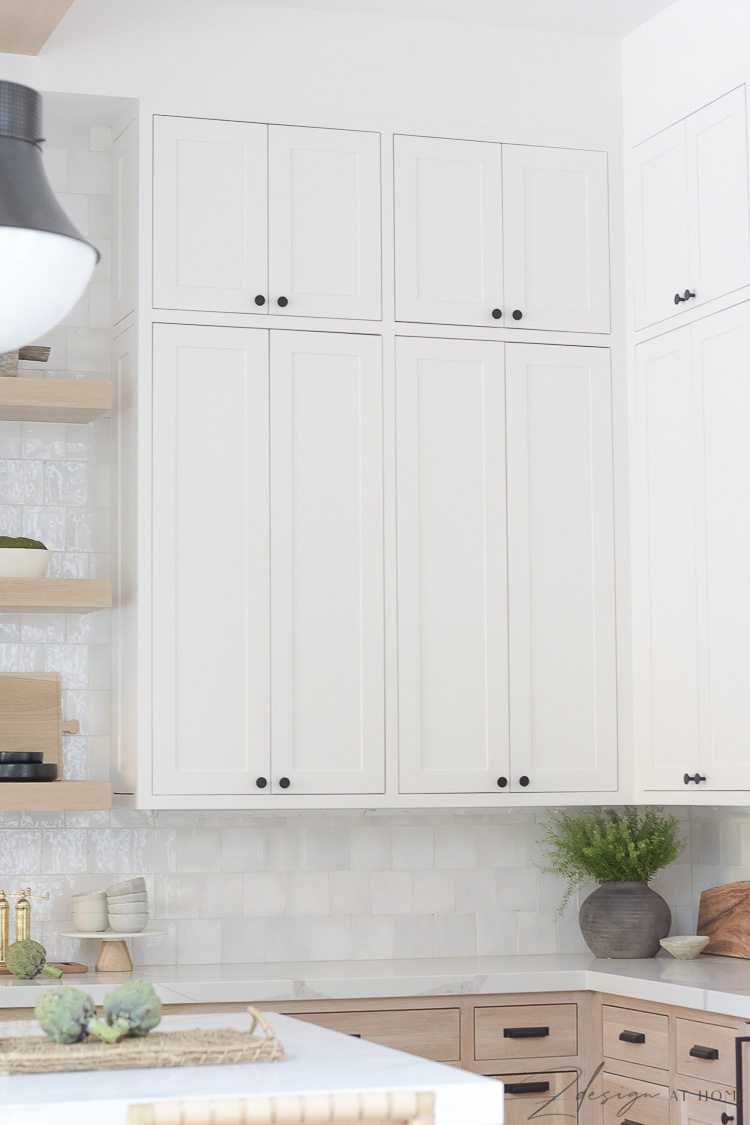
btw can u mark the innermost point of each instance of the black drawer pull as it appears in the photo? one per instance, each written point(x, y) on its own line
point(525, 1032)
point(725, 1119)
point(354, 1034)
point(632, 1037)
point(627, 1121)
point(527, 1087)
point(709, 1053)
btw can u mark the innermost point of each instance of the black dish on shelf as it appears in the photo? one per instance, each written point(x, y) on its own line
point(20, 757)
point(28, 771)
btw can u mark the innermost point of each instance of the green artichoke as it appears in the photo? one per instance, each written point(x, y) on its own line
point(27, 959)
point(64, 1014)
point(21, 541)
point(132, 1009)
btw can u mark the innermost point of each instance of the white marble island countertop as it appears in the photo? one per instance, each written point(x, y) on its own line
point(316, 1061)
point(713, 984)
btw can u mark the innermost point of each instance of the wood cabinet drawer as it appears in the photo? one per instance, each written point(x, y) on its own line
point(550, 1094)
point(530, 1031)
point(706, 1051)
point(434, 1033)
point(637, 1037)
point(630, 1102)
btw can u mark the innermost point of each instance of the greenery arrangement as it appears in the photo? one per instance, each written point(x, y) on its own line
point(609, 844)
point(20, 541)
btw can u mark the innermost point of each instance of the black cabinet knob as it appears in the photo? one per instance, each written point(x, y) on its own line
point(260, 299)
point(284, 782)
point(497, 313)
point(283, 302)
point(523, 781)
point(517, 314)
point(502, 782)
point(261, 782)
point(685, 297)
point(726, 1118)
point(696, 778)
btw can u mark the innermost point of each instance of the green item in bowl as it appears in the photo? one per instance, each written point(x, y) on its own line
point(21, 542)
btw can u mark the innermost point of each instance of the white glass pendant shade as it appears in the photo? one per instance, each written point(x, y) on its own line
point(42, 276)
point(45, 264)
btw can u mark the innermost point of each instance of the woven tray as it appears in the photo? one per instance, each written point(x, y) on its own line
point(205, 1047)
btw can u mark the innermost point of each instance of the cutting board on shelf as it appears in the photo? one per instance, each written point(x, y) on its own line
point(66, 966)
point(31, 716)
point(724, 917)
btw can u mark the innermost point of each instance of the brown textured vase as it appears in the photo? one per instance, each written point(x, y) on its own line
point(624, 920)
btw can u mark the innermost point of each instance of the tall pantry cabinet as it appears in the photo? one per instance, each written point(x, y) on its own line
point(297, 465)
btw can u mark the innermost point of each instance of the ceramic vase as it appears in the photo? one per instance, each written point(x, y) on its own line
point(624, 919)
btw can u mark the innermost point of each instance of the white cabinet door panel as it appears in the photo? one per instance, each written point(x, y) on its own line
point(452, 597)
point(210, 215)
point(720, 350)
point(125, 217)
point(324, 222)
point(665, 563)
point(448, 230)
point(555, 203)
point(716, 141)
point(561, 590)
point(327, 652)
point(211, 691)
point(661, 264)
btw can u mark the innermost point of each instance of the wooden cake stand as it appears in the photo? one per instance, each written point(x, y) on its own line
point(114, 955)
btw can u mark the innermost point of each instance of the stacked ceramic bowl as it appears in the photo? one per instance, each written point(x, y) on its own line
point(127, 906)
point(90, 911)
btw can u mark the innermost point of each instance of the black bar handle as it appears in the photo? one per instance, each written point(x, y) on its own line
point(697, 778)
point(739, 1076)
point(627, 1121)
point(708, 1053)
point(525, 1032)
point(632, 1037)
point(527, 1087)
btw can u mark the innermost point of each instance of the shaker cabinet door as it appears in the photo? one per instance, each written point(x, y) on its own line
point(324, 223)
point(448, 235)
point(452, 594)
point(210, 215)
point(211, 710)
point(556, 240)
point(561, 571)
point(327, 648)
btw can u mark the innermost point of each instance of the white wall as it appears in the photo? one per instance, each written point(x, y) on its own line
point(688, 55)
point(248, 61)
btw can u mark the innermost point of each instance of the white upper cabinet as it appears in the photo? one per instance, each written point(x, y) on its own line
point(327, 646)
point(449, 230)
point(210, 215)
point(210, 574)
point(690, 207)
point(692, 555)
point(452, 605)
point(257, 218)
point(324, 222)
point(555, 203)
point(561, 569)
point(497, 235)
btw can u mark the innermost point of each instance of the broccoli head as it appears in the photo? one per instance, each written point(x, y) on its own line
point(27, 959)
point(134, 1005)
point(64, 1014)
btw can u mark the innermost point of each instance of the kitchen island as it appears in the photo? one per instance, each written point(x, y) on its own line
point(316, 1061)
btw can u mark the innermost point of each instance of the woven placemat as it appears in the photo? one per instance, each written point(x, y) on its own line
point(202, 1047)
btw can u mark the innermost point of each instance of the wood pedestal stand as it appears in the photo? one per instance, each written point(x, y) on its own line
point(114, 955)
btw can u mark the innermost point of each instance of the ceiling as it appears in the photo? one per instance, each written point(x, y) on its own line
point(588, 17)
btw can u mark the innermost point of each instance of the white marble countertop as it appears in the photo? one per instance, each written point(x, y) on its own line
point(316, 1061)
point(713, 984)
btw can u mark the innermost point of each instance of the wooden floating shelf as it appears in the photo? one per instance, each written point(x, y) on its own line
point(54, 796)
point(54, 400)
point(54, 595)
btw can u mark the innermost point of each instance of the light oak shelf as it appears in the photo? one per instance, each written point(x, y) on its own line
point(54, 796)
point(54, 595)
point(54, 400)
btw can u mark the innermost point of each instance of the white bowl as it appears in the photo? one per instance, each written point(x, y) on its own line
point(81, 913)
point(119, 900)
point(128, 887)
point(128, 923)
point(685, 946)
point(90, 923)
point(89, 896)
point(23, 562)
point(129, 908)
